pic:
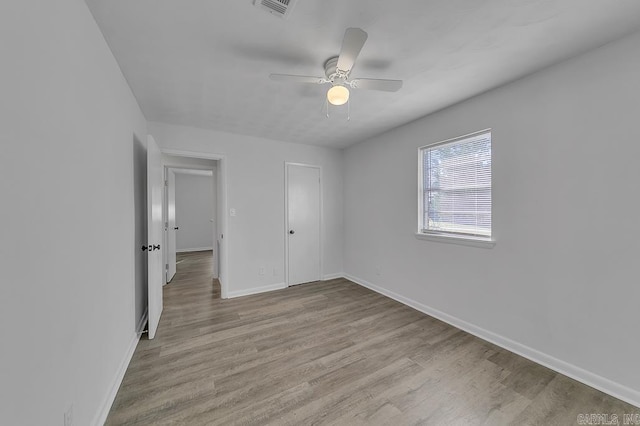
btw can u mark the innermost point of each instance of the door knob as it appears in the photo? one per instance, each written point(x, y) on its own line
point(292, 232)
point(176, 228)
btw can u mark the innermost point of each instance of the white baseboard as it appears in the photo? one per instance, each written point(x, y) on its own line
point(603, 384)
point(333, 276)
point(189, 250)
point(256, 290)
point(101, 416)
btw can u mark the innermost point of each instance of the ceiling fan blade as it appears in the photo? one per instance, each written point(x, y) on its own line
point(298, 78)
point(375, 84)
point(354, 39)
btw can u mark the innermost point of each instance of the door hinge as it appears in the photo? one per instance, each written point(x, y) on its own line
point(166, 183)
point(166, 266)
point(166, 226)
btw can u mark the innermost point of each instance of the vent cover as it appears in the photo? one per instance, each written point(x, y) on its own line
point(281, 8)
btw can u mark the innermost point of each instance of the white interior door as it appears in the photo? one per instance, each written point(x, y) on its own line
point(172, 228)
point(303, 217)
point(154, 233)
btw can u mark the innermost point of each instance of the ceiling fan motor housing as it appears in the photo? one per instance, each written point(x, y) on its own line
point(334, 75)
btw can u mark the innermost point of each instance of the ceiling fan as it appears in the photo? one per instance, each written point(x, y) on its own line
point(337, 71)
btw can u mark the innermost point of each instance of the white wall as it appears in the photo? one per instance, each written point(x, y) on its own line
point(68, 301)
point(255, 176)
point(194, 211)
point(563, 277)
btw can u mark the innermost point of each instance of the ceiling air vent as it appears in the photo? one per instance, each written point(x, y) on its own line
point(281, 8)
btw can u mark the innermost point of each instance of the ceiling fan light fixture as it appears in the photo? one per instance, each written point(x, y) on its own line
point(338, 95)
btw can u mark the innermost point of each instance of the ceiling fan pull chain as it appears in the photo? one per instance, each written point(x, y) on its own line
point(348, 110)
point(326, 102)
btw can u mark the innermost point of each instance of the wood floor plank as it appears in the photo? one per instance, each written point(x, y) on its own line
point(330, 352)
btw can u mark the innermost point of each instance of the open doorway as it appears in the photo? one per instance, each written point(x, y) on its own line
point(193, 223)
point(190, 218)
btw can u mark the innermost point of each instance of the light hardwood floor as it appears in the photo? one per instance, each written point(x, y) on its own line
point(330, 353)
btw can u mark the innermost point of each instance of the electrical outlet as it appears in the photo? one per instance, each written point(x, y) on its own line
point(232, 212)
point(261, 270)
point(68, 416)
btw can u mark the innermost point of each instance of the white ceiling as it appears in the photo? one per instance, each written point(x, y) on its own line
point(206, 63)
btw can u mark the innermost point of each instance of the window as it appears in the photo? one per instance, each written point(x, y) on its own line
point(455, 187)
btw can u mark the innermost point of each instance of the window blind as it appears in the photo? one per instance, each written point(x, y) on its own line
point(457, 186)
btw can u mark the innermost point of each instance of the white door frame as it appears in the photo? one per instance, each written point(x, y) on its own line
point(286, 218)
point(165, 218)
point(222, 221)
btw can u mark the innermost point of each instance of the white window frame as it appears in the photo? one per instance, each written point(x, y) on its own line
point(447, 237)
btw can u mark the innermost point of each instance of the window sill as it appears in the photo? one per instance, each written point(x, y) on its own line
point(453, 239)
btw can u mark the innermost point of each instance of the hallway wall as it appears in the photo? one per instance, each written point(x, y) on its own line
point(195, 205)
